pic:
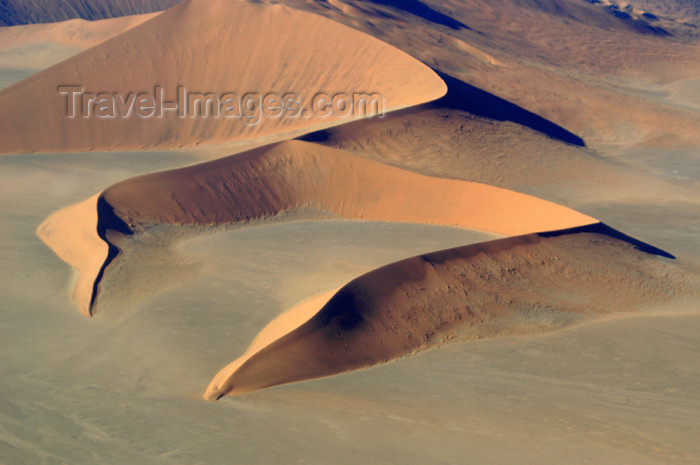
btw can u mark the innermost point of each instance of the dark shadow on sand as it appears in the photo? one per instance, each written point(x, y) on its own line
point(604, 229)
point(465, 97)
point(106, 220)
point(420, 9)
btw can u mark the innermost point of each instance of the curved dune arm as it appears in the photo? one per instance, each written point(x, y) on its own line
point(519, 285)
point(72, 235)
point(283, 178)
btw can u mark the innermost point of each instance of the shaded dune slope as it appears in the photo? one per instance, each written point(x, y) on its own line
point(210, 47)
point(518, 285)
point(285, 178)
point(555, 59)
point(464, 98)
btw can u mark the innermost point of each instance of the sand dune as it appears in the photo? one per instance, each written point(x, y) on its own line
point(520, 285)
point(544, 277)
point(294, 175)
point(49, 11)
point(80, 245)
point(291, 177)
point(588, 105)
point(73, 32)
point(209, 47)
point(569, 62)
point(28, 49)
point(78, 235)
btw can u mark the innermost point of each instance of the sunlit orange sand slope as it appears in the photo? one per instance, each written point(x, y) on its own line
point(207, 47)
point(283, 178)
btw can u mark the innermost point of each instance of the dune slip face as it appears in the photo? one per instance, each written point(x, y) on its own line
point(199, 73)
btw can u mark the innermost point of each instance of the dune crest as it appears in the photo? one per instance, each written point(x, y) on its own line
point(526, 284)
point(295, 175)
point(208, 48)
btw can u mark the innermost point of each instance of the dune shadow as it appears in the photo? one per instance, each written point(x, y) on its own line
point(106, 220)
point(469, 99)
point(465, 97)
point(420, 9)
point(604, 229)
point(639, 24)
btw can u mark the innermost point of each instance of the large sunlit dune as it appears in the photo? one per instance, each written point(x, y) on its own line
point(295, 176)
point(235, 53)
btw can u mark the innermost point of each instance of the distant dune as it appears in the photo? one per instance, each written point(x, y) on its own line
point(212, 47)
point(570, 62)
point(520, 285)
point(13, 12)
point(285, 178)
point(74, 32)
point(29, 49)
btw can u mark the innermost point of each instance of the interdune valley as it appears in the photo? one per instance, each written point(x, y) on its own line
point(350, 231)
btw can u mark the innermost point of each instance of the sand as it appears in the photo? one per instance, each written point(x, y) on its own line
point(578, 67)
point(286, 178)
point(28, 49)
point(572, 103)
point(85, 251)
point(319, 56)
point(74, 32)
point(624, 390)
point(49, 11)
point(421, 302)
